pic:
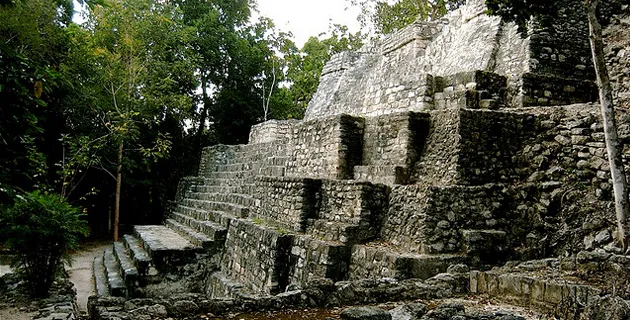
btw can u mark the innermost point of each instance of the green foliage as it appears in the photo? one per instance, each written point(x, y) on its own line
point(32, 44)
point(40, 229)
point(520, 12)
point(385, 17)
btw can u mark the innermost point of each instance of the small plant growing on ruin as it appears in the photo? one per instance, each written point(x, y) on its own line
point(40, 229)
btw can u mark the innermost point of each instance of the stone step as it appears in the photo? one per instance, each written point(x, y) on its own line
point(221, 218)
point(381, 261)
point(240, 189)
point(167, 248)
point(239, 211)
point(129, 271)
point(385, 174)
point(100, 277)
point(221, 182)
point(272, 171)
point(115, 281)
point(233, 198)
point(189, 233)
point(546, 286)
point(221, 286)
point(229, 167)
point(234, 175)
point(343, 232)
point(211, 229)
point(280, 161)
point(138, 254)
point(156, 238)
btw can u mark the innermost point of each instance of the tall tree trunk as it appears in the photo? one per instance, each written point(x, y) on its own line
point(620, 184)
point(204, 115)
point(118, 184)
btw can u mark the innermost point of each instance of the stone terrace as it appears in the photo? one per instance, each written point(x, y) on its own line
point(409, 160)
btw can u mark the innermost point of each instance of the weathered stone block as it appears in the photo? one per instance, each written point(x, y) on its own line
point(365, 313)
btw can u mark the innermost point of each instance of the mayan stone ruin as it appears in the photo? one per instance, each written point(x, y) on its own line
point(451, 145)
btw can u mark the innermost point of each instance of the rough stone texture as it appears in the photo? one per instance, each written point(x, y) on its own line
point(286, 202)
point(328, 148)
point(271, 130)
point(568, 286)
point(396, 143)
point(317, 294)
point(315, 259)
point(429, 220)
point(617, 39)
point(60, 304)
point(365, 313)
point(550, 66)
point(368, 262)
point(413, 158)
point(256, 255)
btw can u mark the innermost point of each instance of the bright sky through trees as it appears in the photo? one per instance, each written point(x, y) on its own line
point(303, 18)
point(306, 18)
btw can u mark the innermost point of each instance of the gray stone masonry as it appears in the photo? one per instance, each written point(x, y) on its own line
point(452, 142)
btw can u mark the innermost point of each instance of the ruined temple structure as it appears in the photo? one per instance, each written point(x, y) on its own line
point(451, 141)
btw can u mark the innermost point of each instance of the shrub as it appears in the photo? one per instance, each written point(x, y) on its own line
point(41, 229)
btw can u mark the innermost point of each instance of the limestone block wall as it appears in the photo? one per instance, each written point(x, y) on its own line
point(395, 139)
point(326, 148)
point(466, 41)
point(434, 219)
point(569, 146)
point(617, 49)
point(550, 65)
point(438, 161)
point(489, 140)
point(559, 45)
point(312, 259)
point(270, 131)
point(213, 156)
point(256, 256)
point(359, 203)
point(373, 83)
point(286, 202)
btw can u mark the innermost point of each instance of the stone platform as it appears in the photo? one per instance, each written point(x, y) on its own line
point(452, 142)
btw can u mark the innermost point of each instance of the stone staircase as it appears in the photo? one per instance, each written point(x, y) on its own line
point(197, 225)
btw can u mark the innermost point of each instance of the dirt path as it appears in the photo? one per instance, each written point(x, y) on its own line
point(81, 271)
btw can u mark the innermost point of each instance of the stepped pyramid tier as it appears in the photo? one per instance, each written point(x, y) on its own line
point(452, 142)
point(466, 59)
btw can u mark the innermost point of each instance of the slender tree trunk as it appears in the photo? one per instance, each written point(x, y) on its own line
point(118, 184)
point(204, 114)
point(620, 184)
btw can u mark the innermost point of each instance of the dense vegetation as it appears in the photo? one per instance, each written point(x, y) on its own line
point(41, 229)
point(112, 113)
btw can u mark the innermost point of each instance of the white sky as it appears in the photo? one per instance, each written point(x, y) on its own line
point(306, 18)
